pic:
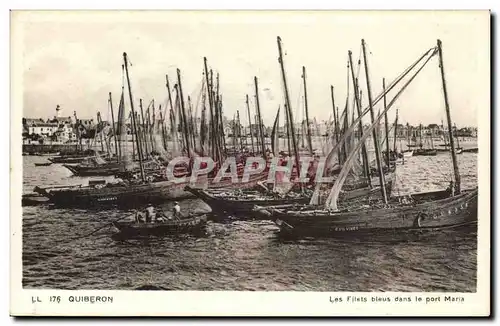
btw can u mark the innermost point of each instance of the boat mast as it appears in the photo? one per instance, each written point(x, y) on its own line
point(132, 132)
point(210, 105)
point(374, 133)
point(289, 108)
point(184, 118)
point(259, 117)
point(133, 116)
point(250, 124)
point(386, 122)
point(448, 120)
point(309, 140)
point(357, 99)
point(113, 124)
point(396, 130)
point(100, 133)
point(151, 123)
point(335, 119)
point(142, 131)
point(163, 130)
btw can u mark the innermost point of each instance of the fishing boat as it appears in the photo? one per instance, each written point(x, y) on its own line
point(422, 211)
point(33, 199)
point(424, 152)
point(431, 210)
point(194, 223)
point(470, 150)
point(407, 153)
point(242, 201)
point(43, 164)
point(74, 158)
point(238, 202)
point(421, 151)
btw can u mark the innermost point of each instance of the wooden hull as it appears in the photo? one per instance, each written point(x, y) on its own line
point(247, 205)
point(425, 152)
point(43, 164)
point(407, 154)
point(70, 160)
point(431, 211)
point(106, 170)
point(121, 195)
point(190, 225)
point(242, 205)
point(34, 199)
point(126, 195)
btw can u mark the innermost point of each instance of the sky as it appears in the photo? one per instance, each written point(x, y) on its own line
point(73, 59)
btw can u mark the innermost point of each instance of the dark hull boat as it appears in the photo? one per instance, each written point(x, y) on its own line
point(192, 224)
point(43, 164)
point(105, 170)
point(424, 152)
point(121, 194)
point(429, 211)
point(242, 203)
point(33, 199)
point(69, 160)
point(127, 194)
point(220, 201)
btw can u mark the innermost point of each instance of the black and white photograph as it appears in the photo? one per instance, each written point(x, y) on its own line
point(252, 151)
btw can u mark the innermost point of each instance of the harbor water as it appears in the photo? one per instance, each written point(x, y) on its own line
point(235, 254)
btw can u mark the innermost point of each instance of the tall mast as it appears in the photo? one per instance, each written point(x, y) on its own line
point(132, 132)
point(133, 116)
point(100, 124)
point(163, 135)
point(288, 132)
point(396, 130)
point(181, 98)
point(374, 134)
point(250, 124)
point(143, 130)
point(259, 117)
point(289, 107)
point(210, 105)
point(357, 99)
point(238, 128)
point(334, 116)
point(448, 120)
point(386, 121)
point(309, 140)
point(114, 129)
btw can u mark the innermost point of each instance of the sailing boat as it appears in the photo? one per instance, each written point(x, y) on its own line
point(244, 202)
point(424, 151)
point(431, 210)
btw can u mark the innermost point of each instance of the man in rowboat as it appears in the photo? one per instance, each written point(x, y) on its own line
point(150, 213)
point(176, 211)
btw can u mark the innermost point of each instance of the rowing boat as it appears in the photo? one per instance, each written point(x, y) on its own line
point(194, 223)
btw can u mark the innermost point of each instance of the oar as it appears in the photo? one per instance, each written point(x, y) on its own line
point(93, 232)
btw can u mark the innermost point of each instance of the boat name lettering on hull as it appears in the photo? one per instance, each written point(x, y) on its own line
point(349, 228)
point(107, 198)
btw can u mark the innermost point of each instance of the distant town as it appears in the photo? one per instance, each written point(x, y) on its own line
point(71, 129)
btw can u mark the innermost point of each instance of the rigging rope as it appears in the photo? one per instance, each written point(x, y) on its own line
point(375, 101)
point(333, 197)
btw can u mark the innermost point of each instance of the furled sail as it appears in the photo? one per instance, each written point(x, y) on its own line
point(332, 199)
point(275, 134)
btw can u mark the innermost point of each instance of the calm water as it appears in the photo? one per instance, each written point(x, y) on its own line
point(244, 255)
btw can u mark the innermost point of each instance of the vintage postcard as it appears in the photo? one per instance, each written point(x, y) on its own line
point(250, 163)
